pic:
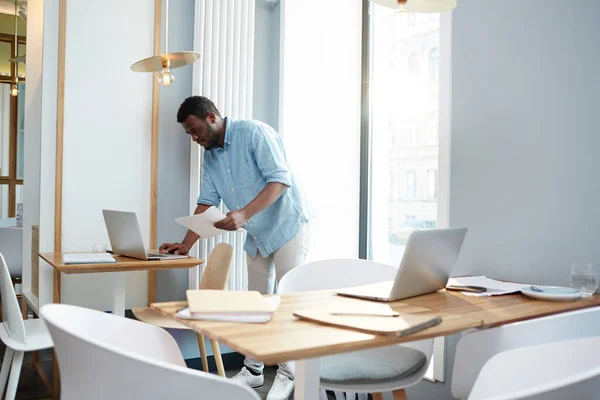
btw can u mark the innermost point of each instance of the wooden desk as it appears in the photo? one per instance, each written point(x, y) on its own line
point(123, 264)
point(118, 269)
point(286, 338)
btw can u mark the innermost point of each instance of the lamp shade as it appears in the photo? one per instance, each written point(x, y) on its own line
point(158, 62)
point(420, 6)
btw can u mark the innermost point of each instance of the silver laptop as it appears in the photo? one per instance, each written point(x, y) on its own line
point(425, 267)
point(126, 237)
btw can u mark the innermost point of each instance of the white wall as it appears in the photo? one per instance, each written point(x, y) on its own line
point(523, 143)
point(525, 137)
point(320, 81)
point(107, 134)
point(265, 105)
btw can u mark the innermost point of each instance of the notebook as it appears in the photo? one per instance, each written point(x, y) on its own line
point(380, 323)
point(235, 306)
point(88, 258)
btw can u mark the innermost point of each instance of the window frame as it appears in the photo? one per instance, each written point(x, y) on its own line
point(11, 179)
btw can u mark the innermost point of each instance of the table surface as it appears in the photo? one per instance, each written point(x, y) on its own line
point(287, 338)
point(123, 264)
point(9, 223)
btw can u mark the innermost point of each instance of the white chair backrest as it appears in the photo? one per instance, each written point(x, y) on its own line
point(11, 313)
point(11, 247)
point(343, 273)
point(538, 370)
point(475, 348)
point(335, 274)
point(102, 356)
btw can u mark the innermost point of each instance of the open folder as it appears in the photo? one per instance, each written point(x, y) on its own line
point(376, 322)
point(221, 305)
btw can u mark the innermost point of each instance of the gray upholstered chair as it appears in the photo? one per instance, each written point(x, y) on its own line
point(385, 369)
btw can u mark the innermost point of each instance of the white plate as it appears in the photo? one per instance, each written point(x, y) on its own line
point(553, 293)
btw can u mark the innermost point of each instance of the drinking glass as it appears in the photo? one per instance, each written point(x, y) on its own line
point(98, 248)
point(583, 277)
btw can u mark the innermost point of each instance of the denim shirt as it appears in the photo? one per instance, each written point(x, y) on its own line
point(252, 156)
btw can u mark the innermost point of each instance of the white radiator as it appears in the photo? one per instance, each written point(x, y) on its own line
point(224, 37)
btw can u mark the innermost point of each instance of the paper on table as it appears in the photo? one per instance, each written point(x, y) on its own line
point(88, 258)
point(493, 286)
point(273, 301)
point(203, 224)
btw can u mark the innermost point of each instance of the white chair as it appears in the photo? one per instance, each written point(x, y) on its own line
point(11, 247)
point(102, 356)
point(541, 370)
point(475, 348)
point(19, 336)
point(386, 369)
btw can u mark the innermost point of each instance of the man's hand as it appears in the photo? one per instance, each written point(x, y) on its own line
point(173, 248)
point(233, 221)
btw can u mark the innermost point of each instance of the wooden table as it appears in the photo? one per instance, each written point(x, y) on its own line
point(285, 338)
point(118, 269)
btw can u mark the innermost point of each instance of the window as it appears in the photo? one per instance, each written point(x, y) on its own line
point(433, 129)
point(404, 185)
point(11, 128)
point(411, 185)
point(432, 184)
point(434, 65)
point(413, 64)
point(411, 136)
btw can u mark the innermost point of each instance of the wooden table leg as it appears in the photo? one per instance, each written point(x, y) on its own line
point(24, 307)
point(202, 349)
point(55, 373)
point(151, 287)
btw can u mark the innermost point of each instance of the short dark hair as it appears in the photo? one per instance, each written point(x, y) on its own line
point(196, 105)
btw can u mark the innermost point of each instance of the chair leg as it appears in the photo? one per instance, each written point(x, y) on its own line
point(8, 356)
point(15, 372)
point(202, 348)
point(218, 359)
point(399, 394)
point(377, 396)
point(24, 307)
point(340, 395)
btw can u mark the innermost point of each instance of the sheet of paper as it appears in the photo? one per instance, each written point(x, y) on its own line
point(203, 224)
point(493, 286)
point(88, 258)
point(273, 301)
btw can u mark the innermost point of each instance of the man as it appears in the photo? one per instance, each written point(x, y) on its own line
point(245, 165)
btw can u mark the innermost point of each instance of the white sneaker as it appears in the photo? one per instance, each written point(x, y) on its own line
point(282, 388)
point(245, 377)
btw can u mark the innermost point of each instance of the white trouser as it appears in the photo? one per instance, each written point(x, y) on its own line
point(260, 276)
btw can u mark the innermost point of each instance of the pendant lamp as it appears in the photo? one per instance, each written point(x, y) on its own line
point(164, 63)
